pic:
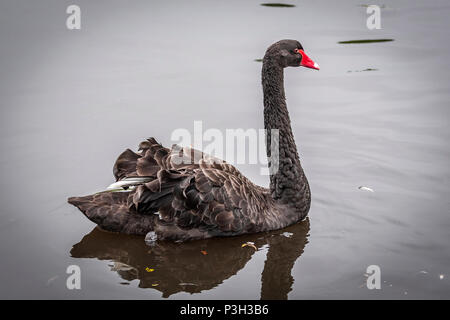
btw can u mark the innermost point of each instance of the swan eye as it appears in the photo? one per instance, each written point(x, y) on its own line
point(296, 50)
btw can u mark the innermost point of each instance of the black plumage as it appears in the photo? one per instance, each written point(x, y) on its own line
point(200, 197)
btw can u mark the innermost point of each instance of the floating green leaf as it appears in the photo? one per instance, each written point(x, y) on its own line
point(366, 5)
point(278, 5)
point(365, 41)
point(368, 69)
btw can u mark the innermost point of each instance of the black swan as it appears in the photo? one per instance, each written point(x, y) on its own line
point(203, 199)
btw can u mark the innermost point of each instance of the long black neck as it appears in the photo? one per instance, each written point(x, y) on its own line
point(288, 183)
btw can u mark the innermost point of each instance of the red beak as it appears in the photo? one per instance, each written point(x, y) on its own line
point(307, 61)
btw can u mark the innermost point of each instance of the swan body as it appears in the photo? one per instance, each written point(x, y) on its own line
point(204, 197)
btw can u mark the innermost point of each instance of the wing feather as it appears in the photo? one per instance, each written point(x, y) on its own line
point(192, 190)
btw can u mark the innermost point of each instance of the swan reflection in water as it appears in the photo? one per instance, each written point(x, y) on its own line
point(198, 265)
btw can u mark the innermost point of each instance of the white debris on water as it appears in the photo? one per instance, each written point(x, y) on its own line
point(441, 276)
point(150, 238)
point(51, 280)
point(119, 266)
point(363, 188)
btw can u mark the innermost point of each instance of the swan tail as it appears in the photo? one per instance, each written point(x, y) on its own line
point(111, 212)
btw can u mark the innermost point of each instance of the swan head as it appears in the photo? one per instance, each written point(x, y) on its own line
point(289, 53)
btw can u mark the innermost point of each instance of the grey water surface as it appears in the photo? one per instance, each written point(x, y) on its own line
point(72, 100)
